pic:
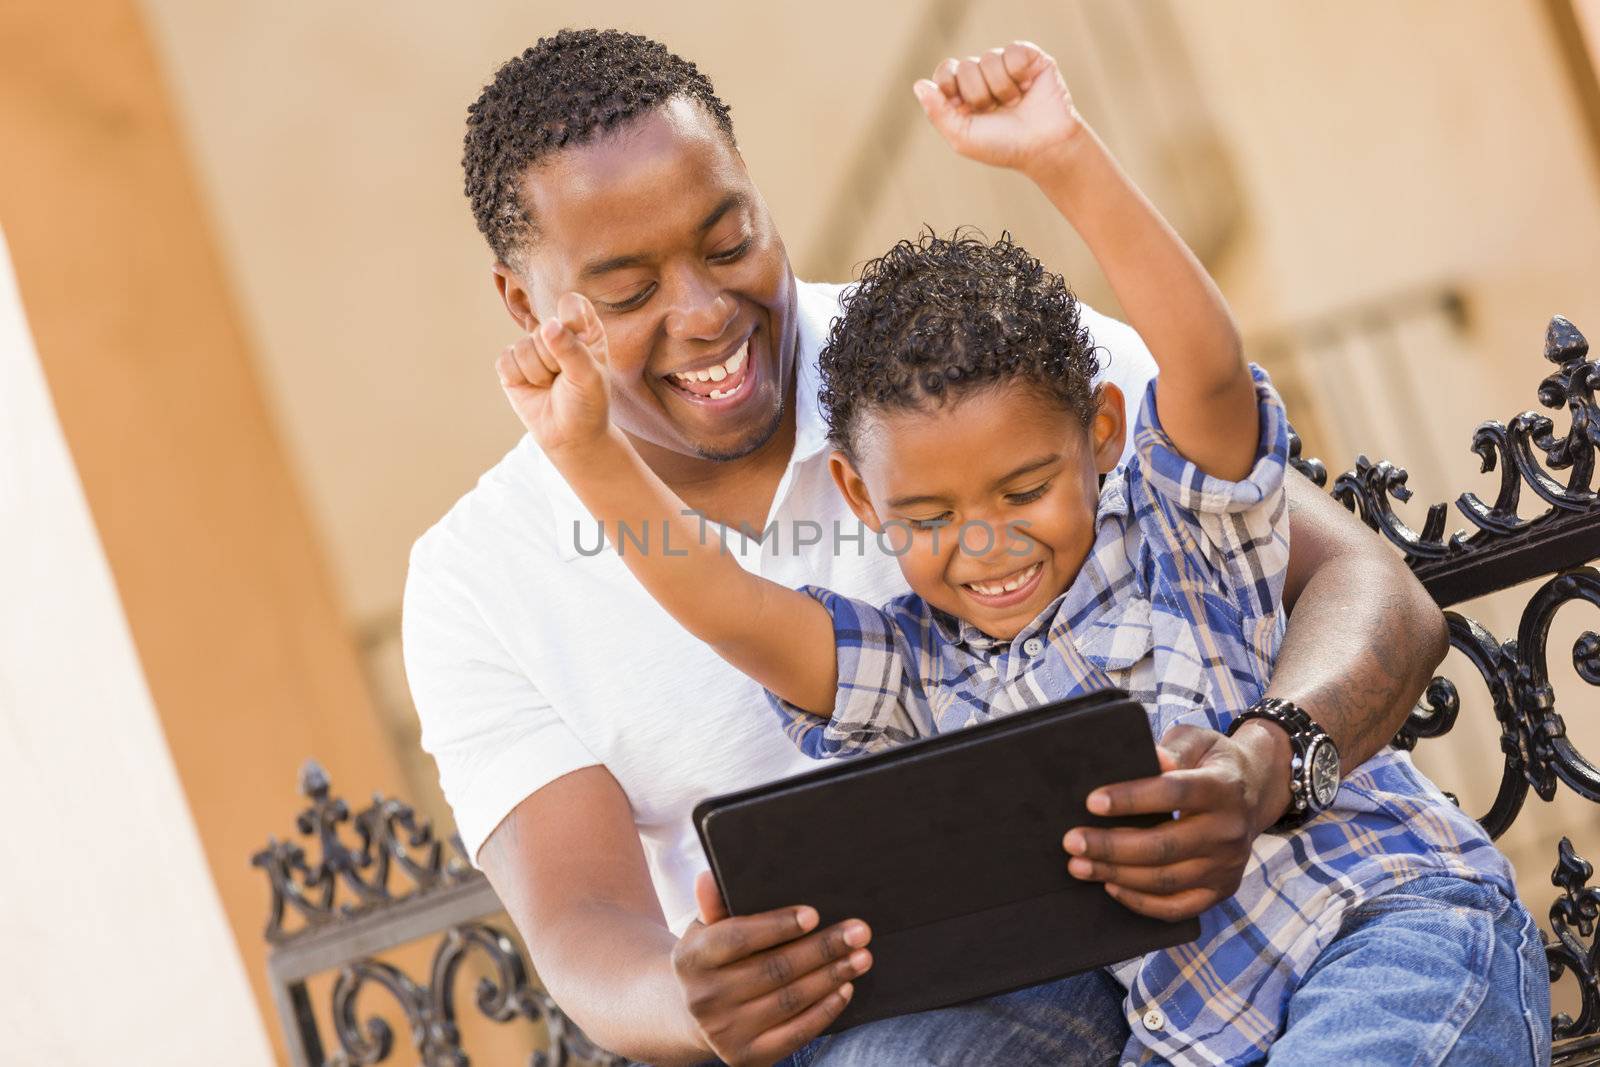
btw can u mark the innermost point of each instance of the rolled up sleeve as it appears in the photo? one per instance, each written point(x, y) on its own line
point(1240, 527)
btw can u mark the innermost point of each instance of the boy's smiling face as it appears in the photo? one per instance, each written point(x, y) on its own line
point(989, 498)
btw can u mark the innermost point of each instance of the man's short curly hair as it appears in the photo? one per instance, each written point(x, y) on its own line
point(934, 317)
point(566, 90)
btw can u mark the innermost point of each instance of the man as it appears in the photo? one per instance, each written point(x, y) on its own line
point(575, 725)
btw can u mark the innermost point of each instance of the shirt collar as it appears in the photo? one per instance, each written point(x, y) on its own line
point(816, 306)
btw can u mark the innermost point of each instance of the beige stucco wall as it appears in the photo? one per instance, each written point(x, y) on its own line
point(117, 949)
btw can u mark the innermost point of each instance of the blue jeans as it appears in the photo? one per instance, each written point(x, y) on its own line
point(1072, 1021)
point(1438, 971)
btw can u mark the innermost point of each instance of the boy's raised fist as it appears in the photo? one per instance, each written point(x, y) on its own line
point(555, 377)
point(1008, 107)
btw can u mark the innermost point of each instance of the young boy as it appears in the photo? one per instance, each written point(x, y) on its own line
point(958, 386)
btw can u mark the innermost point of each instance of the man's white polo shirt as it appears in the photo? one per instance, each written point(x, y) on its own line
point(532, 652)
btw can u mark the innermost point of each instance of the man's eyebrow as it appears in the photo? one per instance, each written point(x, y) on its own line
point(727, 204)
point(606, 266)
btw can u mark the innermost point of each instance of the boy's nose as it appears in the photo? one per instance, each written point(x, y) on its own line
point(982, 539)
point(994, 542)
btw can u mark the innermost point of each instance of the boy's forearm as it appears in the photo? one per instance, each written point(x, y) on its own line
point(1164, 290)
point(662, 540)
point(781, 638)
point(1206, 396)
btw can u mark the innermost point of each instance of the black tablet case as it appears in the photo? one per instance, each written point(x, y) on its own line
point(950, 849)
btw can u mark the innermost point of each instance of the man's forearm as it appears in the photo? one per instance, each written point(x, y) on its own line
point(567, 865)
point(611, 972)
point(1364, 637)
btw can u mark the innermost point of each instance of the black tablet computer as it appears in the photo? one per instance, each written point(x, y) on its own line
point(950, 849)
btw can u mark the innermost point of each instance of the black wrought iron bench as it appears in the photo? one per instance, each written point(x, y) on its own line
point(378, 879)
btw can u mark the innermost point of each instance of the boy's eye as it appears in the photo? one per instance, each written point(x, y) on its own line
point(631, 302)
point(932, 523)
point(1027, 496)
point(736, 252)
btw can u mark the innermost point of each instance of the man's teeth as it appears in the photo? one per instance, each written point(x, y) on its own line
point(726, 369)
point(1015, 582)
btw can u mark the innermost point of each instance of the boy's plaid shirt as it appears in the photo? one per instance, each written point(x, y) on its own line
point(1180, 603)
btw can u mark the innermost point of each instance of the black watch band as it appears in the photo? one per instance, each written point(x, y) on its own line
point(1313, 764)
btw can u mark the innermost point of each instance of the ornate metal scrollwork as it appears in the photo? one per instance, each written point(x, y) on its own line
point(1533, 737)
point(430, 1010)
point(1499, 549)
point(1311, 468)
point(363, 1045)
point(1369, 487)
point(509, 995)
point(1572, 923)
point(390, 838)
point(1549, 753)
point(395, 864)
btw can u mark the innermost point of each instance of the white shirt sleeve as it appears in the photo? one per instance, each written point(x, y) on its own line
point(495, 738)
point(1128, 364)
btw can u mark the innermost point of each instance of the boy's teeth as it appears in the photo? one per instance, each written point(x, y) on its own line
point(1007, 586)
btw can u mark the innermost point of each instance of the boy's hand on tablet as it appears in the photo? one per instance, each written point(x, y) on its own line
point(555, 377)
point(761, 986)
point(1008, 107)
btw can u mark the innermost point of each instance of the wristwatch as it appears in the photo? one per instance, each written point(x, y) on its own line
point(1313, 766)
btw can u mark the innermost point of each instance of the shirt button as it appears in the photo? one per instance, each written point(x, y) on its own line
point(1033, 646)
point(1154, 1020)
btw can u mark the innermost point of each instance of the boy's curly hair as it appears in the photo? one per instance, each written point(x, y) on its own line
point(936, 316)
point(565, 90)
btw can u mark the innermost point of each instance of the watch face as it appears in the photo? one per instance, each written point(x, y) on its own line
point(1324, 773)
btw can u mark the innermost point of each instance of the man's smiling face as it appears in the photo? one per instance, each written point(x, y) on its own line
point(660, 226)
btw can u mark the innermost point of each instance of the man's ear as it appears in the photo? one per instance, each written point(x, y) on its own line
point(854, 490)
point(1108, 428)
point(515, 297)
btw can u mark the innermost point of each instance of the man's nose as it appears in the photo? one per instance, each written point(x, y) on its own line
point(701, 310)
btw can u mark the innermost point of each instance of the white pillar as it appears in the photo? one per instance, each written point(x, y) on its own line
point(115, 944)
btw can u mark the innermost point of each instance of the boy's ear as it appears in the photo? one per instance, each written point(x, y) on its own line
point(519, 305)
point(854, 490)
point(1108, 428)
